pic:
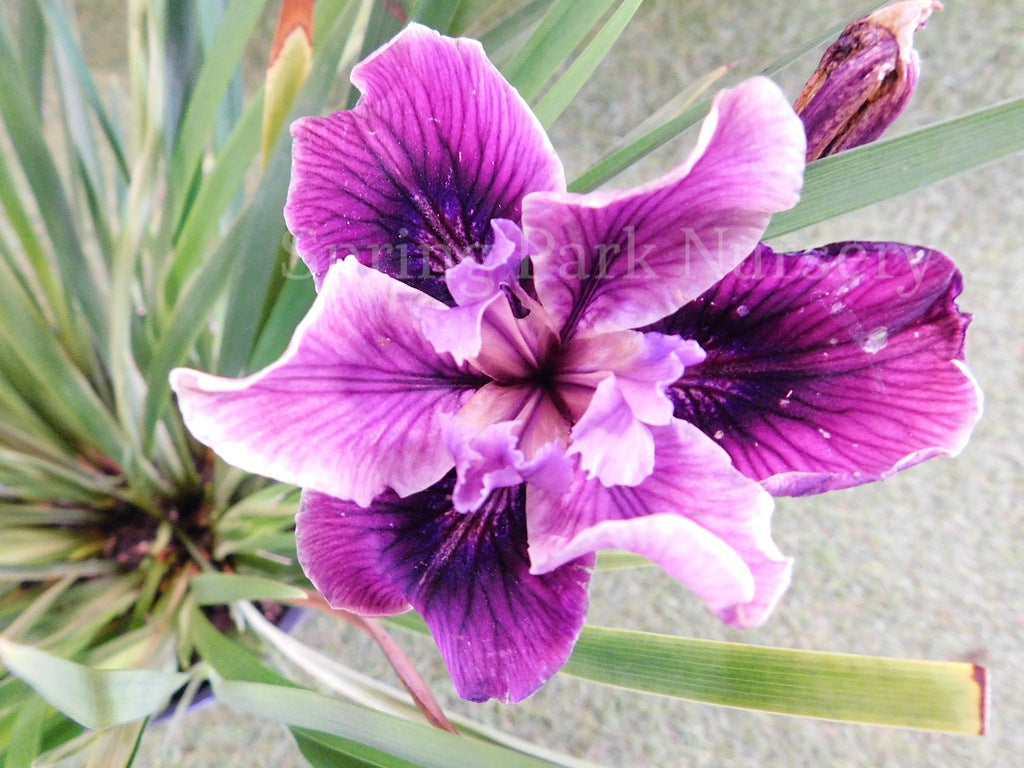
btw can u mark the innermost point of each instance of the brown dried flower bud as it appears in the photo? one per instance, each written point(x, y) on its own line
point(864, 80)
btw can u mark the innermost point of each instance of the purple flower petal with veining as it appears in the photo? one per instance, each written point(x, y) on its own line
point(502, 630)
point(489, 459)
point(832, 367)
point(355, 405)
point(694, 515)
point(617, 260)
point(614, 446)
point(471, 281)
point(409, 181)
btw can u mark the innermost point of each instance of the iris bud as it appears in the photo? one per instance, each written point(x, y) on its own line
point(864, 80)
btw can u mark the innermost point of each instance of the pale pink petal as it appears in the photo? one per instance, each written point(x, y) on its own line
point(355, 405)
point(694, 515)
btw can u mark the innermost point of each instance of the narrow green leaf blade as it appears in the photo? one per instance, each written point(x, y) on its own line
point(569, 84)
point(874, 172)
point(501, 40)
point(438, 14)
point(96, 698)
point(263, 234)
point(60, 29)
point(563, 28)
point(325, 751)
point(25, 129)
point(32, 41)
point(227, 657)
point(940, 696)
point(219, 588)
point(213, 81)
point(612, 165)
point(620, 159)
point(27, 738)
point(413, 742)
point(213, 200)
point(291, 306)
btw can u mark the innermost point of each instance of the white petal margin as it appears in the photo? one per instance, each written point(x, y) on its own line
point(354, 406)
point(694, 515)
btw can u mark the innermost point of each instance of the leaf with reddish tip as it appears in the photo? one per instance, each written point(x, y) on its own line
point(290, 60)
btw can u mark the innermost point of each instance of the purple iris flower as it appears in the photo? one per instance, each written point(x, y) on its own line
point(499, 378)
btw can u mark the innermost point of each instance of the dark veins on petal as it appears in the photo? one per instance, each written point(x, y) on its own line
point(834, 361)
point(502, 630)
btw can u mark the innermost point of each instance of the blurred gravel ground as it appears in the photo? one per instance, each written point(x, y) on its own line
point(926, 565)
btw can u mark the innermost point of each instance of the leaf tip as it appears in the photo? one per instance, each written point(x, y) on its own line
point(980, 677)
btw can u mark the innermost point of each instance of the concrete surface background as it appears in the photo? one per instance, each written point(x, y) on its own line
point(925, 565)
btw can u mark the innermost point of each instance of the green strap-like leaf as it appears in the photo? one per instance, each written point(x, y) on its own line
point(96, 698)
point(227, 657)
point(213, 81)
point(32, 41)
point(415, 743)
point(325, 751)
point(620, 159)
point(569, 84)
point(64, 39)
point(25, 129)
point(563, 28)
point(438, 14)
point(505, 38)
point(474, 17)
point(214, 197)
point(220, 588)
point(27, 737)
point(937, 696)
point(291, 306)
point(612, 165)
point(38, 365)
point(263, 246)
point(856, 178)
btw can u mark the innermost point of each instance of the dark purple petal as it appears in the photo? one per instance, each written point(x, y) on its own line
point(410, 180)
point(830, 368)
point(617, 260)
point(502, 630)
point(339, 546)
point(694, 515)
point(355, 405)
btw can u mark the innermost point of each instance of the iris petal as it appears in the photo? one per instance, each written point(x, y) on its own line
point(355, 405)
point(830, 368)
point(502, 630)
point(618, 260)
point(694, 515)
point(410, 180)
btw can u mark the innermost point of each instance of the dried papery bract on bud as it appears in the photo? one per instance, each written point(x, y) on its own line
point(864, 80)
